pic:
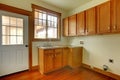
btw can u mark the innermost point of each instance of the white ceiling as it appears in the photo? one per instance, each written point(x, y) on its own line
point(66, 4)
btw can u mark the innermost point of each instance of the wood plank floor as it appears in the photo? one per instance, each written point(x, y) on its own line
point(62, 74)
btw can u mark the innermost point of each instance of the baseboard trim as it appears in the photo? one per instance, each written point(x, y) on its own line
point(35, 67)
point(112, 75)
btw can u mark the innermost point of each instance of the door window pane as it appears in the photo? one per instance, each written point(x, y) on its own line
point(19, 40)
point(12, 28)
point(5, 40)
point(5, 30)
point(5, 20)
point(12, 21)
point(19, 31)
point(19, 22)
point(12, 39)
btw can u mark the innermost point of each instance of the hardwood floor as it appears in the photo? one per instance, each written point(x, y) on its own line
point(62, 74)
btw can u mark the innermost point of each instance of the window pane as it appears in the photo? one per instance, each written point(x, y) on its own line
point(40, 23)
point(49, 17)
point(46, 25)
point(19, 40)
point(5, 20)
point(13, 21)
point(5, 30)
point(40, 32)
point(52, 32)
point(13, 40)
point(5, 40)
point(52, 18)
point(55, 19)
point(20, 31)
point(19, 22)
point(36, 14)
point(40, 16)
point(36, 22)
point(12, 30)
point(55, 24)
point(44, 22)
point(44, 16)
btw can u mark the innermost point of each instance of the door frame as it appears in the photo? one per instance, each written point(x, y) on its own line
point(5, 7)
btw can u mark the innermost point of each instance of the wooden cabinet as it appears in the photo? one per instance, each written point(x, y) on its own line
point(50, 60)
point(72, 25)
point(57, 59)
point(103, 18)
point(91, 21)
point(81, 23)
point(65, 26)
point(75, 57)
point(115, 17)
point(65, 57)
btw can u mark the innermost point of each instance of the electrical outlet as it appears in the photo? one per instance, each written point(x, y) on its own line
point(111, 60)
point(81, 42)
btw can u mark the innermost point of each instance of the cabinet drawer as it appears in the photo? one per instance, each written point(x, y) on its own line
point(58, 50)
point(49, 51)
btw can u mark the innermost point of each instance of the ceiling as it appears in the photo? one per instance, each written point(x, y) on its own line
point(66, 4)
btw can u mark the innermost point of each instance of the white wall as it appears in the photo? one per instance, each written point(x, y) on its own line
point(26, 4)
point(98, 49)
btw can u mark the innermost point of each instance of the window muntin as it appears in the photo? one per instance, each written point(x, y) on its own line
point(46, 24)
point(12, 30)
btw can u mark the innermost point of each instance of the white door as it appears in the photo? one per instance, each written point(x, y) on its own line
point(13, 38)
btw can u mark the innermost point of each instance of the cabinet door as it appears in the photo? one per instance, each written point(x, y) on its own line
point(91, 21)
point(75, 57)
point(72, 25)
point(65, 56)
point(103, 18)
point(115, 10)
point(81, 23)
point(48, 60)
point(58, 58)
point(65, 26)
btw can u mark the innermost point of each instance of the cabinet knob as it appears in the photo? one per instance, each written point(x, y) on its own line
point(114, 27)
point(108, 28)
point(55, 55)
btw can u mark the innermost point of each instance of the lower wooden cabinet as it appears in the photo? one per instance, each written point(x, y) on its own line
point(49, 60)
point(65, 57)
point(53, 59)
point(57, 59)
point(75, 57)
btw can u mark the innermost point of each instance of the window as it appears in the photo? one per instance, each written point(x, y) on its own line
point(12, 30)
point(46, 23)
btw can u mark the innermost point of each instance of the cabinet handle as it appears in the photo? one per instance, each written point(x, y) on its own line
point(108, 28)
point(55, 55)
point(114, 27)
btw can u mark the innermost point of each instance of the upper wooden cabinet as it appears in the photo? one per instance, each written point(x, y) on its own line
point(72, 25)
point(115, 15)
point(65, 26)
point(91, 21)
point(103, 18)
point(81, 23)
